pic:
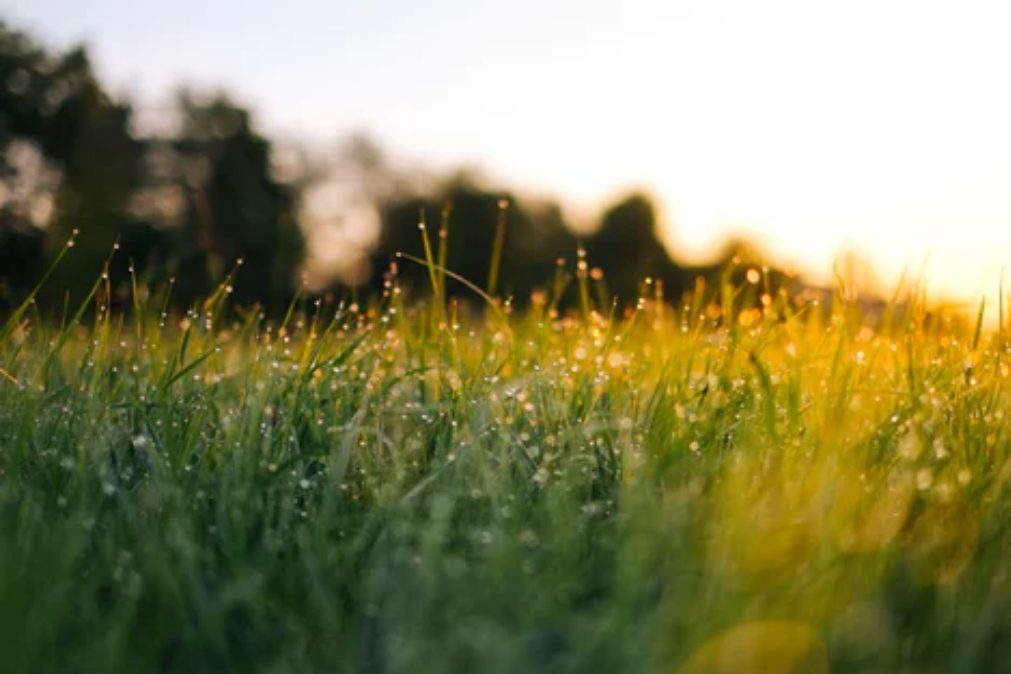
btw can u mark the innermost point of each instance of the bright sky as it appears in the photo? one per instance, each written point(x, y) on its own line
point(882, 126)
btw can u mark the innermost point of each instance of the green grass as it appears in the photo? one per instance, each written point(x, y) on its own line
point(434, 487)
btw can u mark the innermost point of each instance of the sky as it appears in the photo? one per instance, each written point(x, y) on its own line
point(881, 127)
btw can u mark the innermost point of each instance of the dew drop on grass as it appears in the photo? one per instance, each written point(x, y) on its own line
point(909, 446)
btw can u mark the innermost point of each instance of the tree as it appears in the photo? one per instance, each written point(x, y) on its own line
point(228, 205)
point(626, 246)
point(534, 236)
point(203, 197)
point(88, 162)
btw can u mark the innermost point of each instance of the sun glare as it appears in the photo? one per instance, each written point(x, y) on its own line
point(812, 129)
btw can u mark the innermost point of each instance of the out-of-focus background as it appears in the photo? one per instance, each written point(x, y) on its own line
point(864, 139)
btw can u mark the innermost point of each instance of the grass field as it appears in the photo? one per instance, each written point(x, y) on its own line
point(427, 487)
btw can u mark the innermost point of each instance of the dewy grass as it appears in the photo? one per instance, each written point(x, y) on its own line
point(743, 487)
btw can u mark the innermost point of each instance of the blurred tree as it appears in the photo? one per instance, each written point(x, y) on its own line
point(87, 163)
point(212, 186)
point(27, 186)
point(534, 236)
point(627, 248)
point(203, 197)
point(21, 258)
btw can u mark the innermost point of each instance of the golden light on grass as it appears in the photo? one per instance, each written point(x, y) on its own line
point(778, 514)
point(881, 518)
point(764, 647)
point(770, 519)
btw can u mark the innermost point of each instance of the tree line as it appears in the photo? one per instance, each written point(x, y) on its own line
point(187, 203)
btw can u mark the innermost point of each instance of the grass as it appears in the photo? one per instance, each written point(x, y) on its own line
point(427, 487)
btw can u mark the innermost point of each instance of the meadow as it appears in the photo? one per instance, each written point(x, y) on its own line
point(742, 481)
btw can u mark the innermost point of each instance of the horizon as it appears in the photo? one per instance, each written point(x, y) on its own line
point(810, 130)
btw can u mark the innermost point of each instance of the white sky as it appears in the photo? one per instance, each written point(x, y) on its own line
point(877, 125)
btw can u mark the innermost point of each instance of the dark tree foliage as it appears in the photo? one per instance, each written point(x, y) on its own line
point(534, 237)
point(627, 247)
point(55, 104)
point(194, 202)
point(21, 256)
point(233, 207)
